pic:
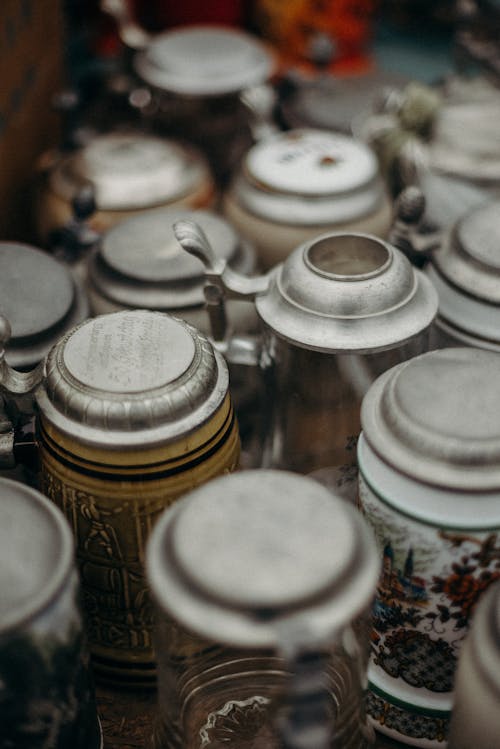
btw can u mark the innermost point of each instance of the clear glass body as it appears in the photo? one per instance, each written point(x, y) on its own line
point(311, 409)
point(222, 697)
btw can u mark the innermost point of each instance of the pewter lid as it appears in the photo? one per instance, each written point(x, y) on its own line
point(307, 177)
point(204, 60)
point(242, 556)
point(347, 292)
point(36, 547)
point(130, 171)
point(132, 379)
point(470, 255)
point(436, 418)
point(41, 300)
point(139, 262)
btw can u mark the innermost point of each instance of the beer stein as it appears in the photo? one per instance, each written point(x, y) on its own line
point(193, 82)
point(429, 468)
point(133, 410)
point(40, 298)
point(339, 311)
point(475, 721)
point(295, 185)
point(139, 264)
point(129, 172)
point(464, 267)
point(263, 583)
point(47, 696)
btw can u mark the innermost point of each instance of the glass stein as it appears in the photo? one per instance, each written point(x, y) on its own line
point(339, 311)
point(47, 696)
point(475, 721)
point(429, 472)
point(133, 410)
point(262, 582)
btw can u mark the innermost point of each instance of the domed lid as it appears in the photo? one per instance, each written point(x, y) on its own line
point(347, 292)
point(242, 554)
point(436, 418)
point(130, 171)
point(309, 176)
point(36, 551)
point(470, 255)
point(130, 379)
point(39, 298)
point(204, 60)
point(140, 263)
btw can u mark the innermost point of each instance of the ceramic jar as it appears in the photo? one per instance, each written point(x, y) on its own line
point(262, 582)
point(465, 271)
point(429, 464)
point(47, 696)
point(339, 311)
point(295, 185)
point(40, 298)
point(129, 172)
point(133, 410)
point(475, 722)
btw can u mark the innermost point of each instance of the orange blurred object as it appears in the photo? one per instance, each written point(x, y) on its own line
point(331, 34)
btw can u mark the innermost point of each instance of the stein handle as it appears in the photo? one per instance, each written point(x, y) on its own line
point(16, 399)
point(131, 34)
point(221, 282)
point(406, 231)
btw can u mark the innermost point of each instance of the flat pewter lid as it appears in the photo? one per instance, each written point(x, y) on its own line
point(436, 418)
point(470, 255)
point(130, 171)
point(40, 299)
point(139, 262)
point(242, 556)
point(36, 550)
point(347, 293)
point(204, 60)
point(132, 379)
point(307, 177)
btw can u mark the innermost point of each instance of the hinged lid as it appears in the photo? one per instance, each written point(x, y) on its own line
point(436, 418)
point(132, 379)
point(139, 262)
point(204, 60)
point(470, 255)
point(40, 299)
point(37, 551)
point(130, 170)
point(309, 177)
point(347, 292)
point(249, 551)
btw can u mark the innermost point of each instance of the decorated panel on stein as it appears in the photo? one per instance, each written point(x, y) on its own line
point(431, 580)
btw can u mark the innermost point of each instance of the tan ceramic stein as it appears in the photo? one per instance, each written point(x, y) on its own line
point(133, 410)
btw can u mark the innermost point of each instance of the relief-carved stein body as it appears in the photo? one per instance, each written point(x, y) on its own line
point(263, 582)
point(429, 463)
point(133, 411)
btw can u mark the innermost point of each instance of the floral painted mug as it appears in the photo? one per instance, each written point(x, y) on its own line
point(429, 462)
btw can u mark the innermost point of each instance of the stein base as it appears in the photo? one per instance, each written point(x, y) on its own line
point(140, 675)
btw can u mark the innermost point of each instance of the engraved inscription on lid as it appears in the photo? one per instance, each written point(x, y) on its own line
point(311, 162)
point(131, 371)
point(470, 255)
point(437, 418)
point(130, 170)
point(36, 291)
point(204, 61)
point(127, 353)
point(347, 292)
point(261, 541)
point(30, 573)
